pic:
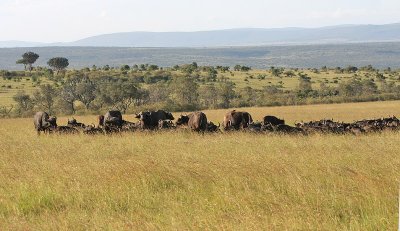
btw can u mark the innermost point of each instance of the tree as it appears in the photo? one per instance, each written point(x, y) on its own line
point(5, 112)
point(28, 59)
point(58, 63)
point(245, 68)
point(208, 96)
point(24, 102)
point(289, 74)
point(158, 92)
point(106, 67)
point(125, 67)
point(22, 61)
point(44, 97)
point(79, 88)
point(275, 71)
point(189, 68)
point(152, 67)
point(85, 91)
point(212, 74)
point(185, 92)
point(226, 93)
point(237, 67)
point(68, 95)
point(305, 83)
point(351, 88)
point(122, 95)
point(223, 69)
point(351, 69)
point(247, 97)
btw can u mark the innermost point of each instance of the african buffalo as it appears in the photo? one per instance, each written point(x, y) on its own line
point(92, 130)
point(273, 120)
point(196, 121)
point(283, 128)
point(113, 118)
point(237, 120)
point(129, 126)
point(111, 121)
point(211, 127)
point(43, 122)
point(149, 119)
point(75, 124)
point(254, 127)
point(64, 130)
point(166, 124)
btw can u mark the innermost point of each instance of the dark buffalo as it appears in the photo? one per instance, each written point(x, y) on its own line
point(111, 122)
point(149, 119)
point(236, 120)
point(283, 128)
point(92, 130)
point(197, 121)
point(128, 126)
point(75, 124)
point(43, 122)
point(113, 118)
point(254, 127)
point(64, 130)
point(211, 127)
point(273, 120)
point(165, 124)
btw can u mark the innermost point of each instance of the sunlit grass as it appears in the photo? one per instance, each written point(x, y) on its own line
point(181, 180)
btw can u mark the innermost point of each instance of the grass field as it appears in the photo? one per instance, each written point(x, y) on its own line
point(186, 181)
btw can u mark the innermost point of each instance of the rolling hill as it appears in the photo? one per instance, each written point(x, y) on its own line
point(236, 37)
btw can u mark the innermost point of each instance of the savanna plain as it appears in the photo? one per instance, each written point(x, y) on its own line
point(180, 180)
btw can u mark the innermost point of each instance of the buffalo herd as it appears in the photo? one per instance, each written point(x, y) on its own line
point(112, 122)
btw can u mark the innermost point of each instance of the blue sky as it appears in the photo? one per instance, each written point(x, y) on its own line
point(69, 20)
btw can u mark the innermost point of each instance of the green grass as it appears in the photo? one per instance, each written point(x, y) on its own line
point(182, 180)
point(8, 88)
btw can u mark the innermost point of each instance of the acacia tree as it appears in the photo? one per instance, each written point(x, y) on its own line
point(226, 93)
point(122, 95)
point(68, 94)
point(208, 96)
point(85, 91)
point(22, 61)
point(44, 97)
point(79, 88)
point(28, 59)
point(185, 92)
point(24, 102)
point(58, 63)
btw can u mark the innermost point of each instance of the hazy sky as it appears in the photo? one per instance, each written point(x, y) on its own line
point(69, 20)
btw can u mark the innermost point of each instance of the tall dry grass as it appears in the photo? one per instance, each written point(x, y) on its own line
point(181, 180)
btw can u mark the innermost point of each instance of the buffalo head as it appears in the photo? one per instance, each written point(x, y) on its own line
point(169, 116)
point(183, 120)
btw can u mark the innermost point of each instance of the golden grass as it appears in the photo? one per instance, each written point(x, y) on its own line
point(181, 180)
point(348, 112)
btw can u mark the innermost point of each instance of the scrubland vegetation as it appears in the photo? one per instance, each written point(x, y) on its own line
point(188, 87)
point(181, 180)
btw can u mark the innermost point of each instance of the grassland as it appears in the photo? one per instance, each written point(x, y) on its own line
point(186, 181)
